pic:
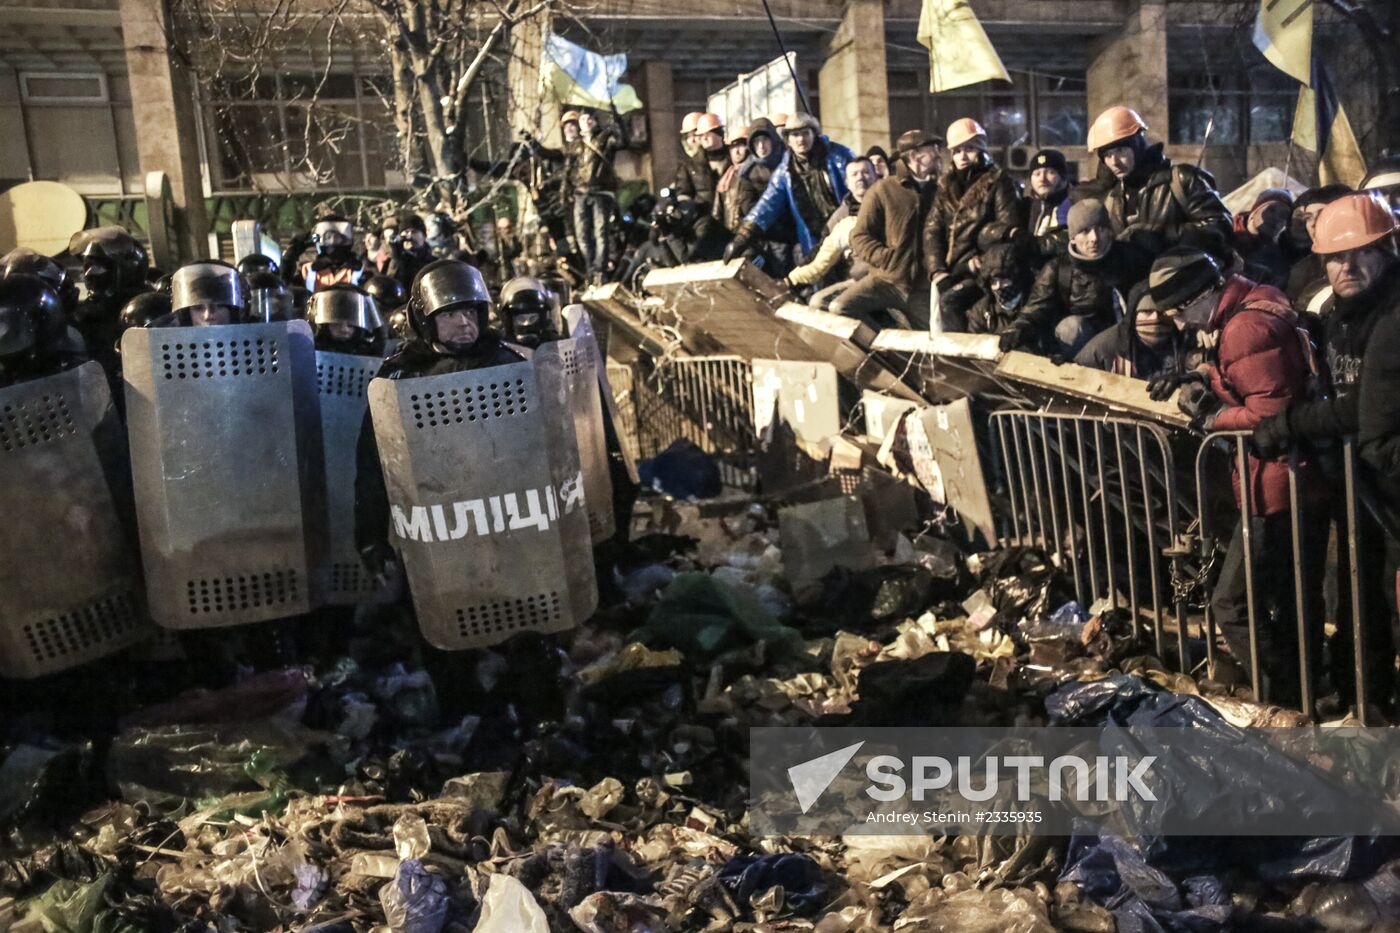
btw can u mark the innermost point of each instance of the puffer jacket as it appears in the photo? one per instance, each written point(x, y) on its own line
point(975, 208)
point(779, 200)
point(1160, 205)
point(1262, 364)
point(1071, 284)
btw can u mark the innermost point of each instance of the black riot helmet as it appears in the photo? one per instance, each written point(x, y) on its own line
point(207, 292)
point(399, 328)
point(445, 286)
point(148, 309)
point(268, 297)
point(531, 317)
point(346, 320)
point(388, 293)
point(256, 262)
point(24, 261)
point(31, 317)
point(113, 260)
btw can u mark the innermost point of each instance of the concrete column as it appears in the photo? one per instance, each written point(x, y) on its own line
point(663, 123)
point(162, 104)
point(1129, 66)
point(855, 97)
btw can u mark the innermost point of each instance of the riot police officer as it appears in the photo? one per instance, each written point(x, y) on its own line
point(346, 320)
point(207, 294)
point(115, 266)
point(34, 338)
point(24, 261)
point(529, 312)
point(151, 309)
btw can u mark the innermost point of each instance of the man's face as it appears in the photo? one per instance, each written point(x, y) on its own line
point(1046, 181)
point(413, 238)
point(801, 141)
point(710, 142)
point(504, 227)
point(331, 239)
point(965, 156)
point(1004, 290)
point(1270, 221)
point(389, 234)
point(99, 274)
point(738, 152)
point(922, 162)
point(1152, 329)
point(882, 168)
point(859, 177)
point(1356, 270)
point(570, 131)
point(1093, 243)
point(456, 327)
point(1195, 313)
point(762, 146)
point(1120, 160)
point(342, 332)
point(1310, 217)
point(208, 315)
point(587, 123)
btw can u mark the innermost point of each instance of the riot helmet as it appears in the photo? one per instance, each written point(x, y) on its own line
point(529, 312)
point(148, 309)
point(24, 261)
point(388, 293)
point(31, 317)
point(112, 259)
point(207, 293)
point(449, 305)
point(346, 319)
point(256, 262)
point(268, 298)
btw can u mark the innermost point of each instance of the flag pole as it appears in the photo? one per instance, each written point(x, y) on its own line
point(783, 48)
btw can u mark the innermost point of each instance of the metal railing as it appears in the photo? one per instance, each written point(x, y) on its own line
point(1100, 496)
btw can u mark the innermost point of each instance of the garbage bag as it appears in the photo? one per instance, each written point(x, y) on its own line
point(509, 907)
point(1023, 583)
point(69, 906)
point(1088, 704)
point(682, 471)
point(36, 780)
point(1115, 874)
point(924, 691)
point(703, 617)
point(749, 877)
point(415, 901)
point(281, 693)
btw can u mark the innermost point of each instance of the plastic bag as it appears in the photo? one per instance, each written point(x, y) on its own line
point(509, 907)
point(703, 617)
point(749, 878)
point(682, 471)
point(415, 901)
point(69, 906)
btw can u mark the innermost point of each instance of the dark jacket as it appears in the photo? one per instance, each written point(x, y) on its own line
point(696, 177)
point(1160, 205)
point(975, 208)
point(1119, 350)
point(591, 169)
point(1262, 365)
point(735, 196)
point(1047, 223)
point(1379, 409)
point(1070, 284)
point(1265, 261)
point(1306, 278)
point(403, 264)
point(888, 231)
point(414, 359)
point(803, 193)
point(987, 315)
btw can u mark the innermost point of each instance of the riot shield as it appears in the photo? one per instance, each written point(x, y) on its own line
point(69, 580)
point(486, 501)
point(225, 435)
point(577, 360)
point(342, 381)
point(581, 325)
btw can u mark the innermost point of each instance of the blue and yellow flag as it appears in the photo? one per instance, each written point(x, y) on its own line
point(1320, 125)
point(576, 75)
point(1283, 32)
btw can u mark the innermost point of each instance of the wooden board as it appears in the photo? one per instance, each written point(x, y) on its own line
point(1069, 383)
point(728, 308)
point(845, 342)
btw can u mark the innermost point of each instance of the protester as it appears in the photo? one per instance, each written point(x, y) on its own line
point(406, 248)
point(733, 198)
point(880, 160)
point(1005, 277)
point(336, 261)
point(860, 176)
point(1153, 203)
point(775, 248)
point(977, 206)
point(1048, 205)
point(1261, 363)
point(593, 184)
point(702, 164)
point(1079, 294)
point(1143, 345)
point(887, 237)
point(1307, 278)
point(1259, 237)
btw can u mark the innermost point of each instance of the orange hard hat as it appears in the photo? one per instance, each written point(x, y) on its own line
point(570, 116)
point(1113, 126)
point(737, 134)
point(779, 120)
point(689, 122)
point(1351, 222)
point(963, 131)
point(709, 123)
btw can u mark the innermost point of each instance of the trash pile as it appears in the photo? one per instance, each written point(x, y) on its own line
point(597, 781)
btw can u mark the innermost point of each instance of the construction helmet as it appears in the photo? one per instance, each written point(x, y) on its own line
point(780, 119)
point(802, 121)
point(1351, 222)
point(964, 131)
point(1114, 125)
point(736, 135)
point(570, 116)
point(689, 122)
point(709, 123)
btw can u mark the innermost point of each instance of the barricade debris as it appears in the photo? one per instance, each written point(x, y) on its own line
point(597, 782)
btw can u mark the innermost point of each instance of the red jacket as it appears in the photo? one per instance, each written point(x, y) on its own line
point(1262, 364)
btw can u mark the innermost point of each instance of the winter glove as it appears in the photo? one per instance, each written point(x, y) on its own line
point(1273, 436)
point(379, 559)
point(740, 243)
point(1013, 337)
point(1161, 386)
point(1200, 403)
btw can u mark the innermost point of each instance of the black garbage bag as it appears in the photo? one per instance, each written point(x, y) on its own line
point(1115, 874)
point(682, 471)
point(1023, 583)
point(924, 691)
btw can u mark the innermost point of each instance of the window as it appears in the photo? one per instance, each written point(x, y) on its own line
point(1041, 109)
point(63, 88)
point(1250, 103)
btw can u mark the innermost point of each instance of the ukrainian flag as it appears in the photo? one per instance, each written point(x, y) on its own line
point(1320, 125)
point(575, 75)
point(1283, 32)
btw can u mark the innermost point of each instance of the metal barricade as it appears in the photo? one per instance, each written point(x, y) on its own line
point(1100, 496)
point(1235, 444)
point(707, 400)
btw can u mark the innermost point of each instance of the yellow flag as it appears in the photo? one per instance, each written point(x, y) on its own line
point(1339, 157)
point(1283, 32)
point(959, 52)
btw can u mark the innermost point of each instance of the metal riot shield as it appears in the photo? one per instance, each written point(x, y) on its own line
point(486, 501)
point(581, 325)
point(342, 381)
point(578, 358)
point(69, 580)
point(225, 435)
